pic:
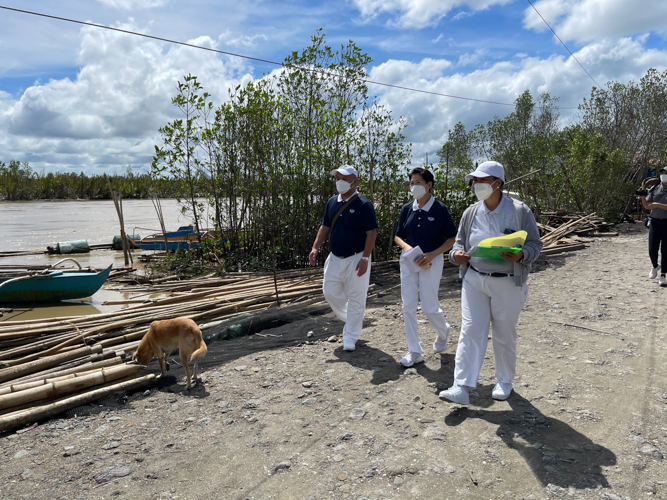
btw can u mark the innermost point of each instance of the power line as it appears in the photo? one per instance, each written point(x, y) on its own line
point(563, 43)
point(266, 61)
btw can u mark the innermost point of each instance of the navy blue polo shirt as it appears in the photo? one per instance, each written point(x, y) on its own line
point(348, 236)
point(427, 227)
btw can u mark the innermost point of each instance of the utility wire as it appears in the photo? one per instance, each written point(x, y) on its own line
point(563, 43)
point(266, 61)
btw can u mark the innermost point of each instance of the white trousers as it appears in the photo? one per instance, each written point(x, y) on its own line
point(422, 286)
point(346, 292)
point(488, 302)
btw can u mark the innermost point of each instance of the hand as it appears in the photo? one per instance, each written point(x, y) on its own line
point(511, 257)
point(461, 257)
point(425, 259)
point(362, 267)
point(312, 256)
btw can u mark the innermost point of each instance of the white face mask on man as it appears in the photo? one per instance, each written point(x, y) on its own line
point(663, 177)
point(417, 191)
point(343, 186)
point(483, 190)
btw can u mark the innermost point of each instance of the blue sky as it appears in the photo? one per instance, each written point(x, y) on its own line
point(76, 98)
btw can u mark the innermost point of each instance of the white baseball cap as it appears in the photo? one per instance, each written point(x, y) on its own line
point(345, 170)
point(488, 169)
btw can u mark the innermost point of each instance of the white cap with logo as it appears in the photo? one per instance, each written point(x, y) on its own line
point(345, 170)
point(488, 169)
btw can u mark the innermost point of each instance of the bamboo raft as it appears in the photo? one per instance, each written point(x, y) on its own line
point(48, 366)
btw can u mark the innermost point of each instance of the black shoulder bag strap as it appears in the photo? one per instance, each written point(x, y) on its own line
point(347, 204)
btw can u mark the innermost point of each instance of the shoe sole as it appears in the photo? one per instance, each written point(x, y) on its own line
point(455, 402)
point(412, 364)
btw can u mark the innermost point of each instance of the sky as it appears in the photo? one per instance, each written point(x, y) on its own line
point(82, 99)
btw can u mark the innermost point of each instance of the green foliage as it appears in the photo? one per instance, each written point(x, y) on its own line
point(18, 182)
point(262, 160)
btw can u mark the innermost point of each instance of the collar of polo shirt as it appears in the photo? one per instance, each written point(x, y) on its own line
point(340, 196)
point(501, 206)
point(425, 208)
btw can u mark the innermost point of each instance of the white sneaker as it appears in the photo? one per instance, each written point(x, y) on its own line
point(654, 273)
point(501, 391)
point(348, 345)
point(411, 358)
point(456, 394)
point(440, 344)
point(663, 280)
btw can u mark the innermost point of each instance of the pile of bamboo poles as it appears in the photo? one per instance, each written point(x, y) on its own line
point(562, 232)
point(46, 366)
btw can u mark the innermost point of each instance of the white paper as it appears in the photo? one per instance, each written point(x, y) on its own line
point(411, 256)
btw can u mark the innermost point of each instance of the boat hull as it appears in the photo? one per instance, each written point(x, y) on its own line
point(182, 239)
point(53, 287)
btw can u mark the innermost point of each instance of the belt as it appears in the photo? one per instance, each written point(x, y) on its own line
point(493, 275)
point(345, 256)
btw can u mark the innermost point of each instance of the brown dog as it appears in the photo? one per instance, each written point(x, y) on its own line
point(165, 336)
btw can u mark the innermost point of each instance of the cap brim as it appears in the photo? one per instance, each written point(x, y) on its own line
point(470, 176)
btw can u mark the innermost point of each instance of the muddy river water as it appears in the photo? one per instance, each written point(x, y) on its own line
point(36, 224)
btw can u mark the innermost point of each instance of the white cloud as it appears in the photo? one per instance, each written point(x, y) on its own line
point(418, 13)
point(228, 38)
point(429, 117)
point(133, 4)
point(470, 59)
point(110, 113)
point(585, 20)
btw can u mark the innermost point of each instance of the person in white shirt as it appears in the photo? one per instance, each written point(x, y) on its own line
point(493, 291)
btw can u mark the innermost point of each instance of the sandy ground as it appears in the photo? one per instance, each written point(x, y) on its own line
point(284, 415)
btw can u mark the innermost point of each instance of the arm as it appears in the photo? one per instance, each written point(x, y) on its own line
point(321, 237)
point(645, 204)
point(457, 254)
point(362, 266)
point(653, 204)
point(402, 244)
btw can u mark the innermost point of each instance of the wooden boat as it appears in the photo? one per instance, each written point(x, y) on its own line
point(183, 238)
point(50, 284)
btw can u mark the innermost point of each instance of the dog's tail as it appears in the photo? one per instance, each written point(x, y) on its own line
point(201, 352)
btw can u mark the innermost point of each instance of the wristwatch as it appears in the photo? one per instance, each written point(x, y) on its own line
point(365, 259)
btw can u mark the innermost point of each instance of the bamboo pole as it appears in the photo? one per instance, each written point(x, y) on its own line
point(48, 362)
point(40, 379)
point(61, 387)
point(16, 419)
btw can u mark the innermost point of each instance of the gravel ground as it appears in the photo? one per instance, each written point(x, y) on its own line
point(287, 414)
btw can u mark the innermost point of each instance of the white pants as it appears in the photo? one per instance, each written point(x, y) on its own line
point(423, 286)
point(346, 292)
point(494, 302)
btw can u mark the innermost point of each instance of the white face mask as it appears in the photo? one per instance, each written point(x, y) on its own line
point(343, 186)
point(483, 190)
point(663, 178)
point(417, 191)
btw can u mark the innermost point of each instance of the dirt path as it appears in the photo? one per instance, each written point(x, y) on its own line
point(281, 415)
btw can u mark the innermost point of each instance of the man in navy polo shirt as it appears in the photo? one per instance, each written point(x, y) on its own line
point(347, 270)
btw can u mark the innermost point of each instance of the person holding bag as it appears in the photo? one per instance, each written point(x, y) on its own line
point(424, 232)
point(350, 224)
point(655, 200)
point(493, 291)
